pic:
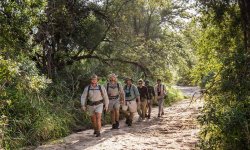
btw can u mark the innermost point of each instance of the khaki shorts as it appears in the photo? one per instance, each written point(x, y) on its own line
point(95, 109)
point(114, 104)
point(130, 105)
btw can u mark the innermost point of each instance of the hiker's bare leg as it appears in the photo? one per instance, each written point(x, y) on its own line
point(98, 120)
point(160, 103)
point(113, 117)
point(159, 107)
point(117, 114)
point(126, 113)
point(139, 110)
point(94, 123)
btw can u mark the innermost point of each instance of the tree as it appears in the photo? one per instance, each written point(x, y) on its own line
point(17, 19)
point(224, 66)
point(113, 32)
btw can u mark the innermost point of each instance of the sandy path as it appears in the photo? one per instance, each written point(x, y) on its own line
point(177, 129)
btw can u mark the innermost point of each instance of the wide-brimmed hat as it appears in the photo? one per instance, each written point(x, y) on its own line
point(140, 80)
point(128, 78)
point(94, 76)
point(112, 75)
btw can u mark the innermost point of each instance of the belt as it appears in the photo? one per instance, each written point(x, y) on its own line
point(94, 103)
point(130, 100)
point(113, 97)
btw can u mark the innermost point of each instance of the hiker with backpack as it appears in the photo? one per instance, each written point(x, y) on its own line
point(161, 93)
point(95, 99)
point(143, 90)
point(132, 98)
point(116, 96)
point(151, 96)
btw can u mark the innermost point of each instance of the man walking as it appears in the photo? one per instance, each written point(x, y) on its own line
point(151, 96)
point(131, 96)
point(143, 90)
point(160, 92)
point(116, 96)
point(95, 96)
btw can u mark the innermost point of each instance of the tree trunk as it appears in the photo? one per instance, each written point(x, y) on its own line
point(245, 15)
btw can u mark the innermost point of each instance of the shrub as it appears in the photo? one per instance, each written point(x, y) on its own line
point(173, 96)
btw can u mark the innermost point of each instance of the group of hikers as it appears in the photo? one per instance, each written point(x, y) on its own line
point(97, 98)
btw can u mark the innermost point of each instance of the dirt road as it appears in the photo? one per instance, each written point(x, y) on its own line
point(177, 129)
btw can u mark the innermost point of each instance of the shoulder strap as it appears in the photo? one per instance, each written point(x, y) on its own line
point(108, 87)
point(118, 86)
point(125, 88)
point(88, 92)
point(133, 88)
point(100, 88)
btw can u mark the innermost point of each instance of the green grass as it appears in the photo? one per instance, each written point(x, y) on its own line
point(173, 96)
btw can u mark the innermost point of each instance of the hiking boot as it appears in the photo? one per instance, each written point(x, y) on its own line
point(117, 125)
point(98, 134)
point(130, 123)
point(113, 126)
point(159, 115)
point(127, 121)
point(139, 119)
point(95, 132)
point(148, 116)
point(162, 113)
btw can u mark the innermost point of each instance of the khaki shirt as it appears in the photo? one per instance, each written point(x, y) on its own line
point(113, 91)
point(162, 89)
point(94, 95)
point(133, 92)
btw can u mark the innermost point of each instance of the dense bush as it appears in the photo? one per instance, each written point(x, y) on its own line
point(173, 96)
point(28, 115)
point(223, 70)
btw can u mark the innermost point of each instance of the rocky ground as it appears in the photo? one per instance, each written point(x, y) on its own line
point(177, 129)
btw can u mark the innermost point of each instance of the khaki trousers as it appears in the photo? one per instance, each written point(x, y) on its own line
point(142, 108)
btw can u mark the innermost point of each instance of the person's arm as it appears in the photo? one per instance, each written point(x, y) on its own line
point(155, 90)
point(105, 97)
point(164, 90)
point(84, 98)
point(156, 93)
point(122, 93)
point(137, 94)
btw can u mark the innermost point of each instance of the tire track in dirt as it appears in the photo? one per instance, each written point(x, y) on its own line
point(177, 129)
